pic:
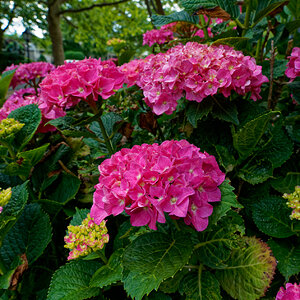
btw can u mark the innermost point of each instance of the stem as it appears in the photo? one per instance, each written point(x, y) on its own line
point(238, 23)
point(102, 256)
point(272, 60)
point(10, 150)
point(247, 19)
point(204, 27)
point(258, 47)
point(199, 279)
point(176, 224)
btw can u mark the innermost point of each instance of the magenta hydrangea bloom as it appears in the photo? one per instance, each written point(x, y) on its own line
point(291, 292)
point(158, 36)
point(293, 66)
point(81, 80)
point(29, 72)
point(150, 180)
point(197, 71)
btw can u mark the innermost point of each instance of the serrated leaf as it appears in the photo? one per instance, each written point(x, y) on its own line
point(271, 216)
point(155, 256)
point(293, 25)
point(294, 8)
point(30, 235)
point(5, 80)
point(31, 116)
point(226, 158)
point(203, 286)
point(237, 43)
point(171, 285)
point(286, 184)
point(256, 172)
point(71, 281)
point(288, 256)
point(228, 200)
point(295, 89)
point(109, 273)
point(226, 110)
point(159, 20)
point(249, 272)
point(246, 139)
point(278, 68)
point(66, 189)
point(196, 111)
point(12, 210)
point(79, 216)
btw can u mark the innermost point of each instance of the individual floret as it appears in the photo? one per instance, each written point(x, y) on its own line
point(5, 196)
point(290, 292)
point(293, 66)
point(294, 203)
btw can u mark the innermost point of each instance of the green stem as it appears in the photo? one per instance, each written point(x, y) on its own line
point(102, 256)
point(10, 150)
point(176, 224)
point(258, 47)
point(204, 27)
point(247, 19)
point(238, 23)
point(199, 280)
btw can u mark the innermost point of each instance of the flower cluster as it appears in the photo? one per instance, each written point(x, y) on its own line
point(29, 72)
point(9, 127)
point(197, 71)
point(115, 41)
point(294, 202)
point(293, 66)
point(85, 238)
point(81, 80)
point(158, 36)
point(291, 292)
point(5, 196)
point(149, 180)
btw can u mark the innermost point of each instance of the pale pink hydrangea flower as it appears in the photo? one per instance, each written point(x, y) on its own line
point(149, 180)
point(84, 80)
point(291, 292)
point(293, 66)
point(30, 73)
point(158, 36)
point(196, 71)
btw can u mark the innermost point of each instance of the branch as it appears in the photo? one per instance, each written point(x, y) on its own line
point(12, 15)
point(91, 7)
point(70, 23)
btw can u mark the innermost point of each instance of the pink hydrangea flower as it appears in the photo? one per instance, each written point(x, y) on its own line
point(81, 80)
point(158, 36)
point(293, 66)
point(31, 73)
point(291, 292)
point(150, 180)
point(197, 71)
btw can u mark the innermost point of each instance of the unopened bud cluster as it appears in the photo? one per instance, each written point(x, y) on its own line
point(9, 126)
point(5, 196)
point(294, 202)
point(86, 238)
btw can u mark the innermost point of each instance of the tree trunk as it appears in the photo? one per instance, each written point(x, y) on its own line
point(159, 7)
point(53, 19)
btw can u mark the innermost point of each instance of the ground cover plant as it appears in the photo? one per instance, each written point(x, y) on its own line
point(170, 176)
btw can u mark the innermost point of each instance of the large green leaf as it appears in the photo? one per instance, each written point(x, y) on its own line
point(238, 43)
point(225, 110)
point(286, 184)
point(159, 20)
point(79, 216)
point(246, 139)
point(5, 80)
point(288, 256)
point(200, 286)
point(109, 273)
point(294, 7)
point(249, 272)
point(196, 111)
point(31, 116)
point(227, 5)
point(226, 158)
point(228, 200)
point(30, 235)
point(12, 210)
point(295, 89)
point(271, 216)
point(71, 281)
point(153, 257)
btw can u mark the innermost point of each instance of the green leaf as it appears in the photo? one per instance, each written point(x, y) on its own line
point(271, 216)
point(109, 273)
point(159, 20)
point(71, 281)
point(286, 184)
point(260, 14)
point(226, 159)
point(238, 43)
point(31, 116)
point(228, 200)
point(293, 25)
point(5, 80)
point(66, 189)
point(294, 8)
point(196, 111)
point(79, 216)
point(12, 210)
point(295, 89)
point(249, 272)
point(279, 68)
point(30, 235)
point(246, 139)
point(256, 171)
point(228, 5)
point(125, 56)
point(226, 110)
point(171, 285)
point(153, 257)
point(288, 256)
point(203, 286)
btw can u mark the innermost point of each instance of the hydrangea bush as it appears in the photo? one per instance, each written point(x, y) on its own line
point(174, 175)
